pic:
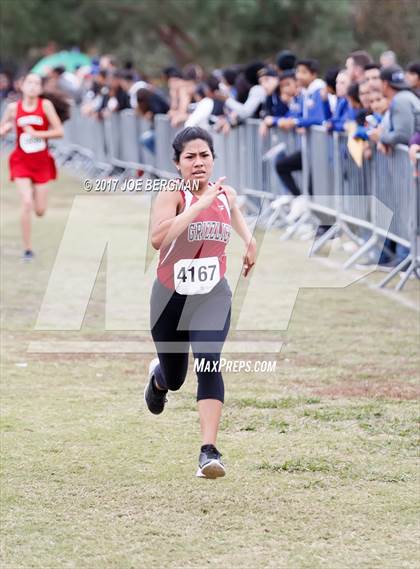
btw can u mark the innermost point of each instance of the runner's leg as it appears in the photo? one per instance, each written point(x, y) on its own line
point(172, 345)
point(215, 313)
point(25, 188)
point(41, 198)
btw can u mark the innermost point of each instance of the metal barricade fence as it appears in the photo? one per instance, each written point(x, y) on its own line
point(398, 198)
point(143, 126)
point(113, 135)
point(94, 139)
point(354, 186)
point(84, 144)
point(321, 160)
point(230, 151)
point(130, 150)
point(261, 186)
point(338, 186)
point(407, 218)
point(282, 141)
point(253, 148)
point(221, 162)
point(122, 133)
point(164, 134)
point(351, 187)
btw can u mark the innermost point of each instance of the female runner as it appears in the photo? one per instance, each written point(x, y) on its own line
point(31, 164)
point(191, 298)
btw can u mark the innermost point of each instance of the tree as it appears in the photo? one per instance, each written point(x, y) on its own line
point(214, 33)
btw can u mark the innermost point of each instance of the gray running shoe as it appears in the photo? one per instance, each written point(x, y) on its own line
point(210, 464)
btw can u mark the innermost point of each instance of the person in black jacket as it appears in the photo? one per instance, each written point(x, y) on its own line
point(281, 90)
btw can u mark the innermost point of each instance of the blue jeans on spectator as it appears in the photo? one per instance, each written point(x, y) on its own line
point(401, 252)
point(383, 253)
point(147, 139)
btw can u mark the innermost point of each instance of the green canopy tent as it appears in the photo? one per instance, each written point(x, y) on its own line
point(70, 60)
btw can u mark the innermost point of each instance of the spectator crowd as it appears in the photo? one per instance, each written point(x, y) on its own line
point(377, 103)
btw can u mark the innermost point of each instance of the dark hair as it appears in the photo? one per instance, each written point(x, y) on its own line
point(361, 58)
point(59, 69)
point(251, 72)
point(201, 90)
point(60, 103)
point(331, 77)
point(242, 88)
point(369, 66)
point(268, 71)
point(287, 74)
point(186, 135)
point(171, 71)
point(286, 60)
point(151, 100)
point(143, 97)
point(191, 72)
point(414, 67)
point(212, 83)
point(230, 74)
point(353, 92)
point(311, 64)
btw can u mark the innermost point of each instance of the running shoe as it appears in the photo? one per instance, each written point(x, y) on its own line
point(155, 398)
point(28, 255)
point(210, 464)
point(298, 208)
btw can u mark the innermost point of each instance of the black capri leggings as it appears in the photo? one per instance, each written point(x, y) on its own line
point(202, 320)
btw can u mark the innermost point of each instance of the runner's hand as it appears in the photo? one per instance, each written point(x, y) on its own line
point(249, 257)
point(5, 128)
point(206, 199)
point(29, 130)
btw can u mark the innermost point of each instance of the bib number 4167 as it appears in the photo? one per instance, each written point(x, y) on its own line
point(196, 276)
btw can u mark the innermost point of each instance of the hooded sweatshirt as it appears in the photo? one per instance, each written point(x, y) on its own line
point(311, 107)
point(404, 119)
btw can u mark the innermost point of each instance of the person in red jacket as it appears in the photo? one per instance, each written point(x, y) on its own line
point(191, 298)
point(31, 164)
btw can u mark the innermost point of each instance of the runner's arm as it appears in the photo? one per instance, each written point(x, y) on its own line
point(237, 219)
point(239, 225)
point(166, 224)
point(56, 131)
point(7, 119)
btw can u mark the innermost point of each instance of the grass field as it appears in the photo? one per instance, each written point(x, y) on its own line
point(321, 455)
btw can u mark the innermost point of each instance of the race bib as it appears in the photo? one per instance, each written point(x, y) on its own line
point(30, 143)
point(196, 276)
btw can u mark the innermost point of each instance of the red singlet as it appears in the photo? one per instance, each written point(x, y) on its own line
point(196, 261)
point(31, 158)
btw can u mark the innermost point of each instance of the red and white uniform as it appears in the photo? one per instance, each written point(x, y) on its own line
point(31, 158)
point(196, 261)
